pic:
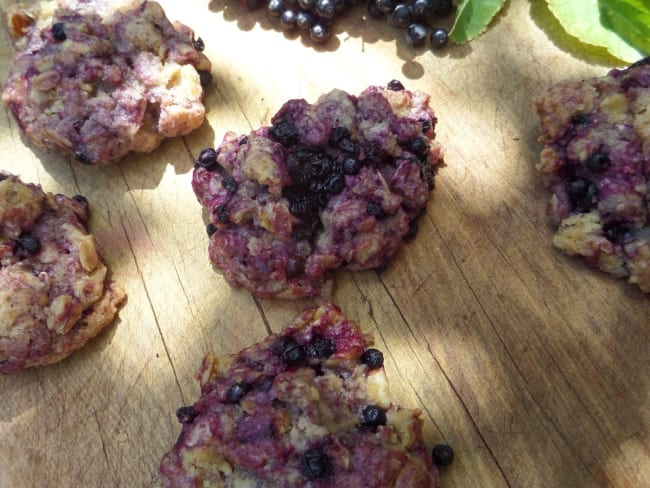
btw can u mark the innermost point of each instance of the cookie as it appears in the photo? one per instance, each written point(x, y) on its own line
point(54, 290)
point(596, 162)
point(98, 81)
point(338, 183)
point(308, 407)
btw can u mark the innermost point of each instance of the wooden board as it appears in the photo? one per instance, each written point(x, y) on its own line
point(532, 366)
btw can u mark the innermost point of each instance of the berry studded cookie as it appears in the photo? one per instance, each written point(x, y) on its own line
point(309, 407)
point(98, 81)
point(596, 162)
point(54, 292)
point(337, 183)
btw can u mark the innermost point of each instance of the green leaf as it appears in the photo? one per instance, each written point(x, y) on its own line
point(581, 19)
point(630, 19)
point(472, 18)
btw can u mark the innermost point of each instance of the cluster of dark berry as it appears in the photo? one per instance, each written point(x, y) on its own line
point(418, 17)
point(312, 16)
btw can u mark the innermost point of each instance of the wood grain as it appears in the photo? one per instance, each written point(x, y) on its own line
point(532, 366)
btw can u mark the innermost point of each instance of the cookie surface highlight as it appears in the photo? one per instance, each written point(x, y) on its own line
point(308, 407)
point(596, 162)
point(54, 292)
point(97, 80)
point(337, 183)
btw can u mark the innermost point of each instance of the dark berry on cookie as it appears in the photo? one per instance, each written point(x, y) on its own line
point(295, 267)
point(373, 358)
point(229, 184)
point(81, 199)
point(207, 158)
point(293, 354)
point(335, 184)
point(186, 415)
point(375, 210)
point(351, 166)
point(199, 45)
point(222, 213)
point(598, 161)
point(580, 119)
point(205, 78)
point(395, 85)
point(211, 229)
point(265, 384)
point(321, 347)
point(284, 133)
point(82, 157)
point(373, 416)
point(29, 244)
point(442, 455)
point(58, 32)
point(315, 464)
point(615, 232)
point(582, 194)
point(418, 146)
point(348, 146)
point(237, 391)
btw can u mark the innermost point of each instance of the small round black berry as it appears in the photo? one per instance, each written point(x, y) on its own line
point(207, 158)
point(615, 233)
point(386, 6)
point(335, 184)
point(199, 45)
point(305, 19)
point(418, 146)
point(351, 166)
point(211, 229)
point(83, 157)
point(326, 8)
point(29, 244)
point(374, 209)
point(372, 416)
point(237, 391)
point(288, 19)
point(284, 132)
point(307, 5)
point(582, 194)
point(373, 358)
point(275, 8)
point(319, 32)
point(81, 199)
point(321, 347)
point(205, 78)
point(395, 85)
point(442, 455)
point(439, 38)
point(186, 415)
point(222, 213)
point(422, 8)
point(58, 32)
point(580, 119)
point(401, 15)
point(293, 354)
point(229, 184)
point(598, 162)
point(315, 464)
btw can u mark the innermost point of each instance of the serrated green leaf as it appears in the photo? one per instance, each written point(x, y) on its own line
point(472, 18)
point(581, 19)
point(630, 19)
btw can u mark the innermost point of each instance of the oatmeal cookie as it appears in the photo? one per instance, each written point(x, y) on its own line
point(337, 183)
point(54, 292)
point(98, 79)
point(309, 407)
point(596, 162)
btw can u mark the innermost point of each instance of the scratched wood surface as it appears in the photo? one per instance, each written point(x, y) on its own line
point(533, 367)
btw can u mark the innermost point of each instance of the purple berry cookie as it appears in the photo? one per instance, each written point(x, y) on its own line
point(337, 183)
point(596, 162)
point(309, 407)
point(99, 79)
point(54, 290)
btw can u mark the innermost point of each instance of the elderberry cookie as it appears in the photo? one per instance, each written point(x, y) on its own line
point(309, 407)
point(54, 291)
point(99, 79)
point(337, 183)
point(596, 162)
